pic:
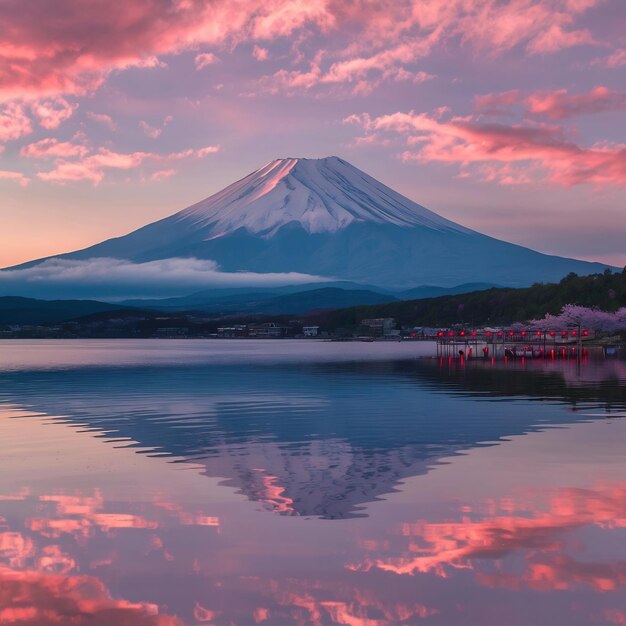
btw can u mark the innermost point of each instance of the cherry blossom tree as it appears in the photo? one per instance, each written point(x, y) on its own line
point(581, 317)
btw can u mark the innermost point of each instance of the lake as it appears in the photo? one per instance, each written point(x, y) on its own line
point(187, 483)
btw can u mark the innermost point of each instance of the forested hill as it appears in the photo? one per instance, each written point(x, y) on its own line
point(17, 310)
point(606, 291)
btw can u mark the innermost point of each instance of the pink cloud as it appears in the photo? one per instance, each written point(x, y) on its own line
point(72, 171)
point(260, 53)
point(162, 174)
point(386, 38)
point(556, 105)
point(205, 59)
point(52, 112)
point(116, 160)
point(417, 77)
point(616, 59)
point(93, 166)
point(104, 119)
point(295, 79)
point(14, 123)
point(555, 39)
point(509, 152)
point(152, 131)
point(499, 26)
point(615, 616)
point(185, 154)
point(369, 140)
point(261, 614)
point(280, 18)
point(53, 148)
point(364, 71)
point(72, 51)
point(18, 177)
point(383, 61)
point(497, 103)
point(202, 614)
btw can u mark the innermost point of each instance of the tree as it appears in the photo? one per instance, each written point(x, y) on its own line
point(582, 317)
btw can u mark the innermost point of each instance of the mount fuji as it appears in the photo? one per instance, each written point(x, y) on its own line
point(326, 218)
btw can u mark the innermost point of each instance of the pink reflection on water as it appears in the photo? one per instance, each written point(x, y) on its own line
point(46, 580)
point(527, 540)
point(495, 531)
point(267, 491)
point(317, 602)
point(40, 563)
point(35, 598)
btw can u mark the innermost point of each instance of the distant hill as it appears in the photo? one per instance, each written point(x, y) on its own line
point(606, 291)
point(31, 311)
point(430, 291)
point(325, 298)
point(271, 300)
point(294, 298)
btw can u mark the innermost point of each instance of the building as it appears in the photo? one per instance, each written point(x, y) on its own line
point(310, 331)
point(171, 332)
point(379, 326)
point(268, 329)
point(233, 332)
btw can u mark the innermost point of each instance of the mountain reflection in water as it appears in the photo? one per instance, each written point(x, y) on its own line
point(315, 439)
point(134, 514)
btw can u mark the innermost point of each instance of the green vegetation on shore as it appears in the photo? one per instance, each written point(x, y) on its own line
point(606, 291)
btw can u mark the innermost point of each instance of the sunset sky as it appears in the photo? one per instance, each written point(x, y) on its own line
point(508, 116)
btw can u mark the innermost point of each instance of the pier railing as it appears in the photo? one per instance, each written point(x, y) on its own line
point(512, 336)
point(512, 343)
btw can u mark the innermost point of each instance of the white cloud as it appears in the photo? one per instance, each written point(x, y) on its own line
point(115, 279)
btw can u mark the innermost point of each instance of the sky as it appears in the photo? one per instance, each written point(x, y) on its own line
point(507, 116)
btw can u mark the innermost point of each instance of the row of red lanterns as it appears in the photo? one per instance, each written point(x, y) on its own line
point(511, 333)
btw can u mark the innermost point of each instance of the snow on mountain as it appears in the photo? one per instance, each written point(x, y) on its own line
point(326, 218)
point(322, 195)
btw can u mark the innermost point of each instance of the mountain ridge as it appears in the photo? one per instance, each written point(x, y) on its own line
point(326, 218)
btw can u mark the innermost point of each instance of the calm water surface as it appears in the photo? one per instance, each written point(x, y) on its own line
point(187, 483)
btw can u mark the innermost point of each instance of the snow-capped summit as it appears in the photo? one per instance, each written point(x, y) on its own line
point(325, 217)
point(322, 195)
